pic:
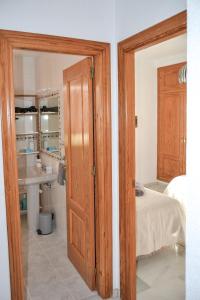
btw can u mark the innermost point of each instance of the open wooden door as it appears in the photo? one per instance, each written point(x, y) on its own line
point(79, 146)
point(171, 123)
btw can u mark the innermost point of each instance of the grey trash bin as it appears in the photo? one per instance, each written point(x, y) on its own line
point(45, 223)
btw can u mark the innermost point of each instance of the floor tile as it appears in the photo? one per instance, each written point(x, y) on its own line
point(52, 291)
point(173, 289)
point(48, 272)
point(78, 288)
point(49, 275)
point(164, 273)
point(66, 271)
point(141, 285)
point(153, 267)
point(96, 297)
point(151, 295)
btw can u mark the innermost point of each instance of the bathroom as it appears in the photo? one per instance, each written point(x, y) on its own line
point(39, 121)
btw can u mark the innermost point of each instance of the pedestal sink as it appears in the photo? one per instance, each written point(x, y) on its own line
point(32, 177)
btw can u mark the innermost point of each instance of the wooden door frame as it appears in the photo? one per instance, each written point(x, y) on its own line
point(10, 40)
point(165, 30)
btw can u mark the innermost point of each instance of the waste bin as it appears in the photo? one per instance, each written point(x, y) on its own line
point(45, 223)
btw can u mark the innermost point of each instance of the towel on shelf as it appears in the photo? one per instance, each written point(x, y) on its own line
point(51, 148)
point(61, 174)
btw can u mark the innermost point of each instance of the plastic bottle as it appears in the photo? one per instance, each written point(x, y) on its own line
point(38, 162)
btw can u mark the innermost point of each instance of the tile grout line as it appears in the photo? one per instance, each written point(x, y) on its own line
point(34, 239)
point(58, 275)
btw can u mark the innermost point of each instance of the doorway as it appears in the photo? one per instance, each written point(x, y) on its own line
point(100, 53)
point(165, 30)
point(42, 105)
point(160, 107)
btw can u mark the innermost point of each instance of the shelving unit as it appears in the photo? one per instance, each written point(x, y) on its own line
point(49, 132)
point(24, 95)
point(49, 97)
point(22, 190)
point(48, 113)
point(27, 135)
point(48, 136)
point(38, 135)
point(30, 134)
point(28, 153)
point(26, 114)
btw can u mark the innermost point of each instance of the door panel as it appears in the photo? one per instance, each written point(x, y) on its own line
point(171, 123)
point(78, 119)
point(168, 78)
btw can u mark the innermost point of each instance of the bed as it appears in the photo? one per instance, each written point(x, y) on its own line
point(160, 222)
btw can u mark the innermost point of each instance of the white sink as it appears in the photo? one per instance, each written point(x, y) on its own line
point(32, 177)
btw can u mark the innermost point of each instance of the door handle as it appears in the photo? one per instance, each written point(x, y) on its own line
point(183, 140)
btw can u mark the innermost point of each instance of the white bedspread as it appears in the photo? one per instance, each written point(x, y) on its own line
point(159, 222)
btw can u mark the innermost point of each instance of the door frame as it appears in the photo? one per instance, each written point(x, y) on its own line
point(160, 32)
point(100, 52)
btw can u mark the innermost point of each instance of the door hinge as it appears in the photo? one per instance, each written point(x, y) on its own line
point(136, 121)
point(94, 170)
point(92, 72)
point(133, 183)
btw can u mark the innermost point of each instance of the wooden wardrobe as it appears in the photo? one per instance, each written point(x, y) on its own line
point(171, 157)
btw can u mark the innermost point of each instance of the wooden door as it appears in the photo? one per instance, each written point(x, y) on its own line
point(78, 119)
point(171, 123)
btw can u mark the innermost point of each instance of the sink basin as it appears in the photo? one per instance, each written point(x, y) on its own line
point(34, 175)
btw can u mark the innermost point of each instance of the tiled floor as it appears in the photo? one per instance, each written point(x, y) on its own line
point(49, 275)
point(162, 276)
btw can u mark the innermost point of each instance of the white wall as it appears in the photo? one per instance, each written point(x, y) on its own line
point(4, 263)
point(90, 19)
point(49, 71)
point(74, 18)
point(131, 16)
point(136, 15)
point(193, 151)
point(146, 111)
point(24, 74)
point(80, 19)
point(147, 62)
point(24, 82)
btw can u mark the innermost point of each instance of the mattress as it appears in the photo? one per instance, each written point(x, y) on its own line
point(159, 222)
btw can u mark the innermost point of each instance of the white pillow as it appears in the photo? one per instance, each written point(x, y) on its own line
point(177, 189)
